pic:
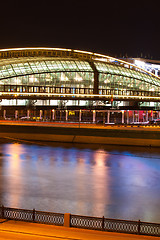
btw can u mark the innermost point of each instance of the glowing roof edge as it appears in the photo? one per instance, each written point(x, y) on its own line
point(80, 51)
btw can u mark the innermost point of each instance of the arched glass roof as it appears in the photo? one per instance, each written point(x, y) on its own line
point(28, 61)
point(29, 67)
point(114, 69)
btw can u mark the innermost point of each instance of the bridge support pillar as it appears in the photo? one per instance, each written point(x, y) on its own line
point(152, 114)
point(127, 116)
point(133, 115)
point(53, 114)
point(66, 115)
point(4, 113)
point(80, 115)
point(40, 114)
point(94, 116)
point(16, 114)
point(146, 116)
point(28, 114)
point(122, 116)
point(108, 116)
point(137, 116)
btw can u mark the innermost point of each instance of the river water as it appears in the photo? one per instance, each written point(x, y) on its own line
point(114, 182)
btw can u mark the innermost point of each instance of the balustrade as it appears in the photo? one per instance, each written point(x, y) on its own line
point(77, 221)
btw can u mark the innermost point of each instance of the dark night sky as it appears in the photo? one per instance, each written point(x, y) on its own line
point(110, 27)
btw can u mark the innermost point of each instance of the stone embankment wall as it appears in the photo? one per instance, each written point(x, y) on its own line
point(112, 136)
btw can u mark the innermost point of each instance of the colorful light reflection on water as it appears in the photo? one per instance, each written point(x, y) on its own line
point(111, 182)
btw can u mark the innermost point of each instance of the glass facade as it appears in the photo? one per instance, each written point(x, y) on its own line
point(42, 66)
point(46, 75)
point(72, 74)
point(113, 76)
point(55, 79)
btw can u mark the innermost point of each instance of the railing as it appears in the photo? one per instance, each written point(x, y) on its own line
point(115, 225)
point(85, 222)
point(32, 216)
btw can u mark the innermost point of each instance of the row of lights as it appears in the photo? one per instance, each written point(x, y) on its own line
point(115, 97)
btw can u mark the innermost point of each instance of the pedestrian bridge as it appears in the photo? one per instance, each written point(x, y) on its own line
point(55, 73)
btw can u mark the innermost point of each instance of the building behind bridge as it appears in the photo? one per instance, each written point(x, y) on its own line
point(71, 85)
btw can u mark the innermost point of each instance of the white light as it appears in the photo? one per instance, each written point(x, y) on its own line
point(152, 89)
point(63, 77)
point(32, 79)
point(139, 63)
point(78, 77)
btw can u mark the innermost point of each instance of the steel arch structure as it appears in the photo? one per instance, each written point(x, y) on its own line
point(56, 73)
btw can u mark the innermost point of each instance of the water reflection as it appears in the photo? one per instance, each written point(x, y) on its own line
point(89, 181)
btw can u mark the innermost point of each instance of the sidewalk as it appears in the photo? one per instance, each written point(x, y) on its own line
point(10, 229)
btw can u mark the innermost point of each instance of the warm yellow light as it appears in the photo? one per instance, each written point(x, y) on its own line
point(34, 48)
point(84, 52)
point(79, 95)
